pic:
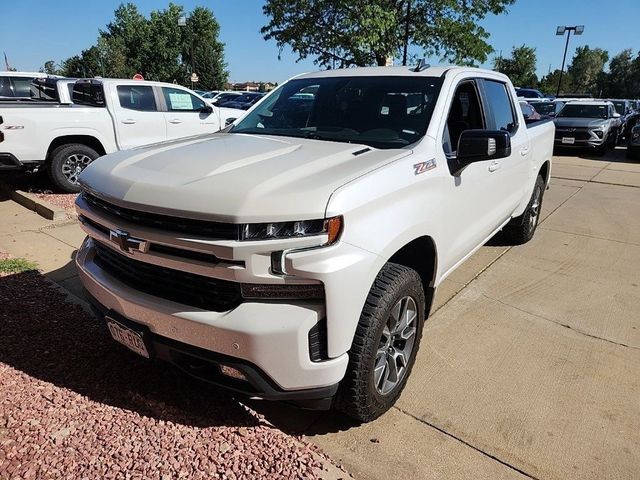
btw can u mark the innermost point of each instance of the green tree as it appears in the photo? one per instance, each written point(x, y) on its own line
point(157, 47)
point(586, 69)
point(345, 33)
point(520, 67)
point(619, 81)
point(549, 83)
point(49, 68)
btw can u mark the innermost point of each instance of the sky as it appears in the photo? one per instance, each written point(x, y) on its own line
point(34, 31)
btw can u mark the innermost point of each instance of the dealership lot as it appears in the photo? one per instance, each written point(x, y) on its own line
point(530, 365)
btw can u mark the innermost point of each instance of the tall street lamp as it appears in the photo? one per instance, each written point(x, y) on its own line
point(182, 22)
point(578, 30)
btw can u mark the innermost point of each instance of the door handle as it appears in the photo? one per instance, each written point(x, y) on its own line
point(493, 166)
point(524, 151)
point(175, 120)
point(128, 121)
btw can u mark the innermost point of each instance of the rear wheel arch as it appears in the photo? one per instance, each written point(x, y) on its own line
point(545, 172)
point(87, 140)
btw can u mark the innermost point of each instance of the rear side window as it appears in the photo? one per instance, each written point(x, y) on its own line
point(181, 101)
point(500, 106)
point(88, 92)
point(137, 97)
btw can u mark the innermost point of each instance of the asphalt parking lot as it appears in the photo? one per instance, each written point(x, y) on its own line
point(530, 364)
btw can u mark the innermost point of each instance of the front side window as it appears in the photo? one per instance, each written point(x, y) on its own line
point(137, 97)
point(465, 113)
point(504, 116)
point(181, 101)
point(382, 112)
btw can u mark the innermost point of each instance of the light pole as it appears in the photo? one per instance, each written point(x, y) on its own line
point(182, 22)
point(578, 30)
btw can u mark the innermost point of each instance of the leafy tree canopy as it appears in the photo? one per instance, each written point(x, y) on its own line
point(345, 33)
point(520, 67)
point(157, 47)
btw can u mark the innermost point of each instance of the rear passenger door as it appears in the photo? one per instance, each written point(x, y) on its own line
point(509, 174)
point(137, 117)
point(187, 114)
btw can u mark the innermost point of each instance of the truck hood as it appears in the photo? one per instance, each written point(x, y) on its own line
point(570, 122)
point(233, 177)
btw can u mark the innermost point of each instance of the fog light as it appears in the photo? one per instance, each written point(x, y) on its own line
point(599, 133)
point(228, 371)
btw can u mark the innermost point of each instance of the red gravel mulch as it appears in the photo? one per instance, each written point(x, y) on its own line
point(62, 200)
point(73, 404)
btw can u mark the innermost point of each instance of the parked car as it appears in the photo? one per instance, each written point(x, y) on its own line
point(530, 114)
point(108, 115)
point(17, 84)
point(587, 124)
point(295, 256)
point(628, 116)
point(633, 143)
point(210, 94)
point(529, 93)
point(45, 90)
point(244, 101)
point(550, 108)
point(224, 97)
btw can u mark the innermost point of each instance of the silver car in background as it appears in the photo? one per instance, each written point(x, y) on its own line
point(591, 124)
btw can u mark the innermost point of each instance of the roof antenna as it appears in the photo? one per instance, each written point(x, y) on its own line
point(422, 65)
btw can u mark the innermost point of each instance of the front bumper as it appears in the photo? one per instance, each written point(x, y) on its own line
point(273, 337)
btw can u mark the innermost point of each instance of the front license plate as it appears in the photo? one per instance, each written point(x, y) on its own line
point(568, 140)
point(127, 337)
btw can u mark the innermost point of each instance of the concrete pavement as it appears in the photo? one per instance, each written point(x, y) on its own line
point(530, 365)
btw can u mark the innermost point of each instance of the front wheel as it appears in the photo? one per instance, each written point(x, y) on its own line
point(385, 344)
point(521, 229)
point(67, 162)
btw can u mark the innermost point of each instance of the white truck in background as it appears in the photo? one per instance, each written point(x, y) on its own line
point(106, 115)
point(294, 256)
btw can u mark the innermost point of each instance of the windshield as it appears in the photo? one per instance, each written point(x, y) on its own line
point(382, 112)
point(576, 110)
point(544, 108)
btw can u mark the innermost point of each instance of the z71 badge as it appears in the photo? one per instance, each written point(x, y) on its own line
point(422, 167)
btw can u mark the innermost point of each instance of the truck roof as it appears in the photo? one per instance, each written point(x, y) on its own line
point(404, 71)
point(117, 81)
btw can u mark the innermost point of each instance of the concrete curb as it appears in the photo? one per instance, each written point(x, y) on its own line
point(27, 200)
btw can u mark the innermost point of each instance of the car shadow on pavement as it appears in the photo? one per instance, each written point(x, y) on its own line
point(617, 155)
point(55, 341)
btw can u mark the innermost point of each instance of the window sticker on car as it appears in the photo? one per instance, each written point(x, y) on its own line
point(180, 101)
point(422, 167)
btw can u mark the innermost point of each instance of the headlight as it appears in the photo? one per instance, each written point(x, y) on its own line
point(332, 227)
point(599, 133)
point(635, 135)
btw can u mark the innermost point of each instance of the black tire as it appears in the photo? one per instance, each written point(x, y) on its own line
point(358, 395)
point(64, 163)
point(521, 229)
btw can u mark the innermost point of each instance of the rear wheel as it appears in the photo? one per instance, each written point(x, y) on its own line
point(521, 229)
point(385, 344)
point(67, 162)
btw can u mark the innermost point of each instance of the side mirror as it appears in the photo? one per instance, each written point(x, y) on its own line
point(479, 145)
point(229, 121)
point(616, 115)
point(207, 109)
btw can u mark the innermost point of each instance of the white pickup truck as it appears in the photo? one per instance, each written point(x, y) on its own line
point(106, 116)
point(294, 256)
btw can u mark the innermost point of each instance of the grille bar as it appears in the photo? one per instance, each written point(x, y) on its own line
point(204, 228)
point(181, 287)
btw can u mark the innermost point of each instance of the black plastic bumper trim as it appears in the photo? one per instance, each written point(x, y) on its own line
point(204, 365)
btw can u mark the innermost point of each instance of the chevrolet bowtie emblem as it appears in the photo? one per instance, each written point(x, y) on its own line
point(127, 243)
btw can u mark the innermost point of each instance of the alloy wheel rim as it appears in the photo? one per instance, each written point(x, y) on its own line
point(73, 165)
point(534, 210)
point(395, 346)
